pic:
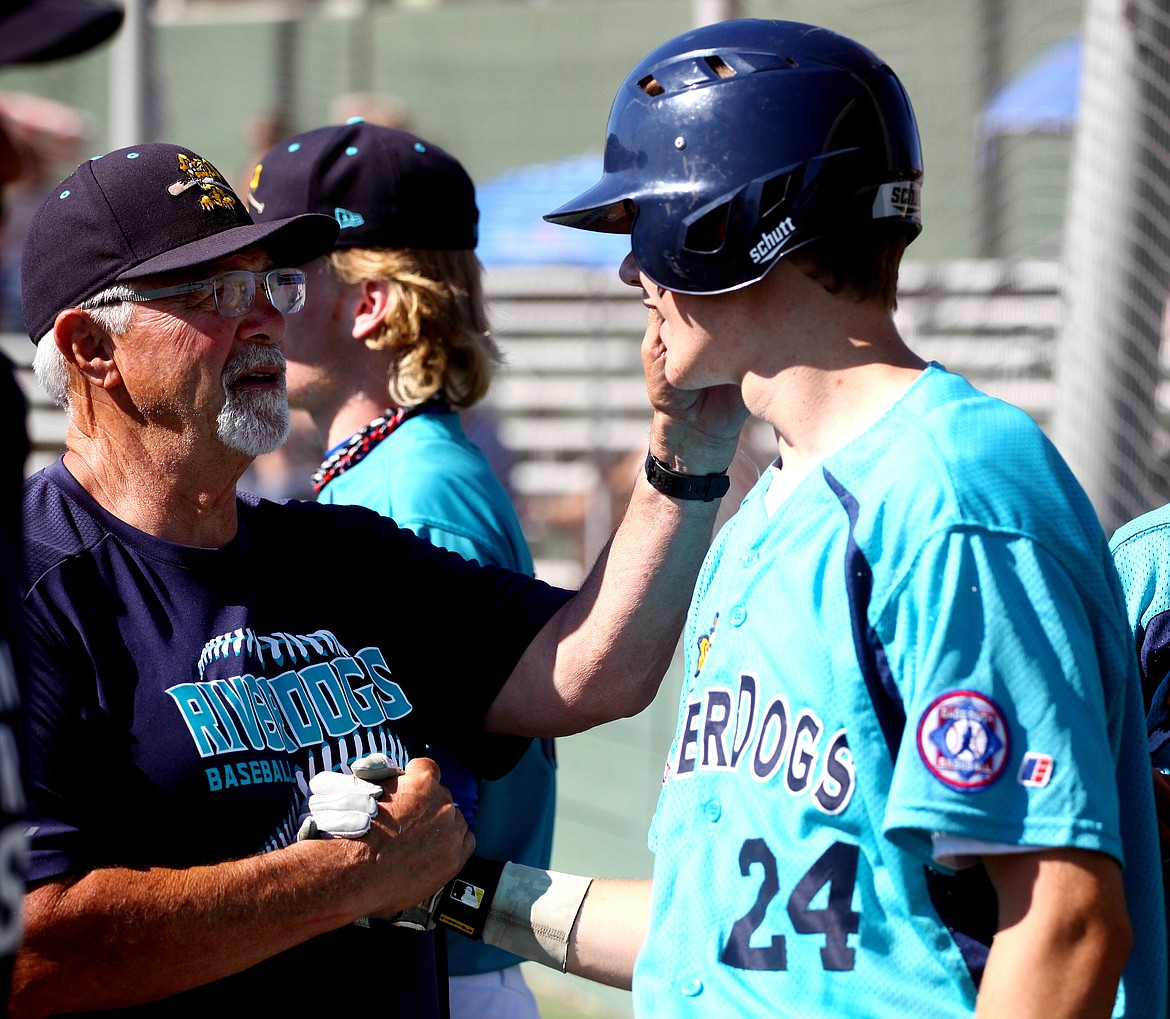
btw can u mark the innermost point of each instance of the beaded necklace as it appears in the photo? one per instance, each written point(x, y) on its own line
point(358, 446)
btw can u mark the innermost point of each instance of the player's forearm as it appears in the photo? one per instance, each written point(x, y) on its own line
point(117, 937)
point(591, 928)
point(609, 932)
point(1062, 980)
point(609, 646)
point(1063, 940)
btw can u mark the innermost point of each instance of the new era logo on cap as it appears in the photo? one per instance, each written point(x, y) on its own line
point(348, 220)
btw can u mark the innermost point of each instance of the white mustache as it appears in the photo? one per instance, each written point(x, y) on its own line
point(250, 359)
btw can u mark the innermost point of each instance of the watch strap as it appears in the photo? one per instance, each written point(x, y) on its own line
point(704, 487)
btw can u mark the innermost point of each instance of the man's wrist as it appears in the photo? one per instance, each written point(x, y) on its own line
point(680, 485)
point(524, 910)
point(687, 450)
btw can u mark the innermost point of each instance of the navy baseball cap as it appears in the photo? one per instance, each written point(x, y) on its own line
point(141, 211)
point(33, 31)
point(386, 188)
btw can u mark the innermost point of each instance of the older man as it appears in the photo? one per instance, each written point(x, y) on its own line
point(197, 656)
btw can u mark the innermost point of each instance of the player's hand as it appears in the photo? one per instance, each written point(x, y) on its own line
point(416, 842)
point(375, 768)
point(342, 806)
point(698, 426)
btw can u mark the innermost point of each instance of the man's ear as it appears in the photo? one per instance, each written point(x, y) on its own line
point(370, 312)
point(87, 347)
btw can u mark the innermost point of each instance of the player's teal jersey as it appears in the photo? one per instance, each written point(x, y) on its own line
point(429, 477)
point(927, 636)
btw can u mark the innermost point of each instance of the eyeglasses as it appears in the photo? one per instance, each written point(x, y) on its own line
point(234, 292)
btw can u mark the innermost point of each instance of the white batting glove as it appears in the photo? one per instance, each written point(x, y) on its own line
point(340, 806)
point(343, 805)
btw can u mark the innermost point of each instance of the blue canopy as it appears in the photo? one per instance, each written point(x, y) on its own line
point(1041, 99)
point(512, 232)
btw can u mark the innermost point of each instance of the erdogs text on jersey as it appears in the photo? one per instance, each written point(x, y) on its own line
point(725, 729)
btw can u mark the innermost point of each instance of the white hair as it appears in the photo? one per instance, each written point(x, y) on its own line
point(253, 423)
point(111, 310)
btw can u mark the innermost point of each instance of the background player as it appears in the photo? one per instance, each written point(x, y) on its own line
point(1141, 552)
point(393, 345)
point(910, 721)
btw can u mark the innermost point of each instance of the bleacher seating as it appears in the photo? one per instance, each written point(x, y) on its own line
point(571, 408)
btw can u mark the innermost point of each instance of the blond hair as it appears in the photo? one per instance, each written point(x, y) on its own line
point(435, 324)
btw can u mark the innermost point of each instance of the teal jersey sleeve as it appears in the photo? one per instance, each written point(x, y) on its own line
point(1005, 699)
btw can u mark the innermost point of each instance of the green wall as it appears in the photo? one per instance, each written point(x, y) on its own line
point(502, 83)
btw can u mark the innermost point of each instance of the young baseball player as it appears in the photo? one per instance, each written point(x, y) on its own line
point(910, 761)
point(394, 345)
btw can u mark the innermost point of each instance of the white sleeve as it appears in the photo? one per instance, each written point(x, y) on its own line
point(959, 852)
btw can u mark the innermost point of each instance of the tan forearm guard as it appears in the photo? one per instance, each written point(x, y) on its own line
point(533, 913)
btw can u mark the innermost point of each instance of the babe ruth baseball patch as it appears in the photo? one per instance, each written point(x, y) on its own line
point(963, 740)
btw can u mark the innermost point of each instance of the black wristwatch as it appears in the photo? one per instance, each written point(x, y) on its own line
point(707, 487)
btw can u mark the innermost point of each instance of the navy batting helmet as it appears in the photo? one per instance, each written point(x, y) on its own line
point(738, 143)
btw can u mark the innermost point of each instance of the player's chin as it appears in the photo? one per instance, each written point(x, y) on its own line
point(690, 375)
point(678, 374)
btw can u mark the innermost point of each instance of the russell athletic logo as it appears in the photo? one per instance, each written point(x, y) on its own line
point(772, 241)
point(1036, 770)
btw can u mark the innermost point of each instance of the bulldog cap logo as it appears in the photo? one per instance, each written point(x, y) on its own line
point(142, 212)
point(201, 174)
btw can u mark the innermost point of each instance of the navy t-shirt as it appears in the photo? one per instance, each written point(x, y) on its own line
point(12, 827)
point(207, 686)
